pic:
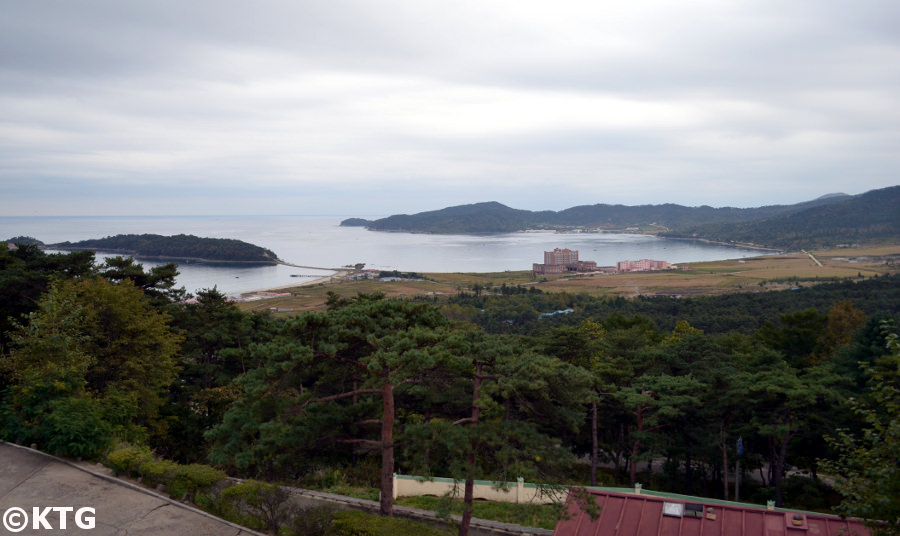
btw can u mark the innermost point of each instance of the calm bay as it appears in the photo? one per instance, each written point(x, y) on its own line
point(320, 242)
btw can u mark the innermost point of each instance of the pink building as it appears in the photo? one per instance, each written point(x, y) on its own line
point(560, 261)
point(561, 256)
point(643, 265)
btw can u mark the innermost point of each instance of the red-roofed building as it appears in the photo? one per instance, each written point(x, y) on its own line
point(623, 513)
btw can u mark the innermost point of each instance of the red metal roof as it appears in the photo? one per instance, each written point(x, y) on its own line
point(631, 514)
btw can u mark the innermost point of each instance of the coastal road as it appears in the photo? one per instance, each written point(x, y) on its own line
point(814, 259)
point(311, 267)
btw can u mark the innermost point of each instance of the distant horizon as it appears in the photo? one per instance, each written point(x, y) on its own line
point(399, 107)
point(416, 211)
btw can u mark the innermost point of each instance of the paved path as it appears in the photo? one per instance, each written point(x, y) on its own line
point(30, 479)
point(815, 260)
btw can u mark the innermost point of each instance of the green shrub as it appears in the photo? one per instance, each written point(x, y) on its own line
point(256, 504)
point(158, 472)
point(357, 523)
point(316, 521)
point(355, 481)
point(75, 428)
point(190, 479)
point(530, 515)
point(128, 460)
point(69, 426)
point(809, 494)
point(178, 480)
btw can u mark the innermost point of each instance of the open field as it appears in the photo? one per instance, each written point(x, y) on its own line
point(769, 272)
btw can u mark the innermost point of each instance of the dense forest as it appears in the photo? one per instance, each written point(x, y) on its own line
point(178, 247)
point(825, 222)
point(502, 310)
point(478, 386)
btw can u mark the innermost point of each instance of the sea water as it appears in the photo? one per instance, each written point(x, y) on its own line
point(321, 246)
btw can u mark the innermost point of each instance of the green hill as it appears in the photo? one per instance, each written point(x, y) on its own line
point(178, 247)
point(867, 218)
point(490, 217)
point(24, 241)
point(826, 221)
point(493, 217)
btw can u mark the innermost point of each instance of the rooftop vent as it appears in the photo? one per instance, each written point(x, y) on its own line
point(796, 521)
point(693, 510)
point(673, 509)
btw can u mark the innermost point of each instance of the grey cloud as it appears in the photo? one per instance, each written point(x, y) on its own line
point(571, 100)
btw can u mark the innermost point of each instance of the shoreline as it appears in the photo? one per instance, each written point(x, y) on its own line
point(737, 275)
point(726, 244)
point(311, 281)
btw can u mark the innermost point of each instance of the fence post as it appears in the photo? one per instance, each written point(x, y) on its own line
point(520, 490)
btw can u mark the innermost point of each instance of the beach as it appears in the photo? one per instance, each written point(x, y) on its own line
point(278, 292)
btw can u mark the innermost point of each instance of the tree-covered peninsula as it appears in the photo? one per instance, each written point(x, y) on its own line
point(829, 221)
point(179, 247)
point(493, 217)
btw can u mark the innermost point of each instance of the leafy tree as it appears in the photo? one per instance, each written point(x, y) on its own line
point(726, 383)
point(786, 402)
point(158, 284)
point(867, 471)
point(618, 361)
point(321, 375)
point(797, 336)
point(868, 346)
point(134, 346)
point(47, 367)
point(26, 273)
point(844, 320)
point(215, 351)
point(95, 350)
point(701, 431)
point(520, 404)
point(581, 345)
point(391, 343)
point(654, 401)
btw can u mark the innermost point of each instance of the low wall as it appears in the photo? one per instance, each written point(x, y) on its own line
point(511, 492)
point(305, 498)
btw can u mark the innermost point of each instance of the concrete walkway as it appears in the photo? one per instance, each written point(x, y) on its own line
point(59, 491)
point(31, 480)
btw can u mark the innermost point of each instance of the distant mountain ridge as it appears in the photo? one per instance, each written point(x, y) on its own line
point(866, 218)
point(829, 220)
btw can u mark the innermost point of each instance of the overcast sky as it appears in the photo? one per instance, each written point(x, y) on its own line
point(112, 107)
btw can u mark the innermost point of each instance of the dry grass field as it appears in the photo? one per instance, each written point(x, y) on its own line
point(768, 272)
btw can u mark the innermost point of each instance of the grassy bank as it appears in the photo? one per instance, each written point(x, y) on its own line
point(542, 516)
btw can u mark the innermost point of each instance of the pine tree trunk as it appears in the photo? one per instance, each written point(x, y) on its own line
point(387, 450)
point(636, 445)
point(469, 496)
point(780, 462)
point(724, 445)
point(635, 449)
point(594, 443)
